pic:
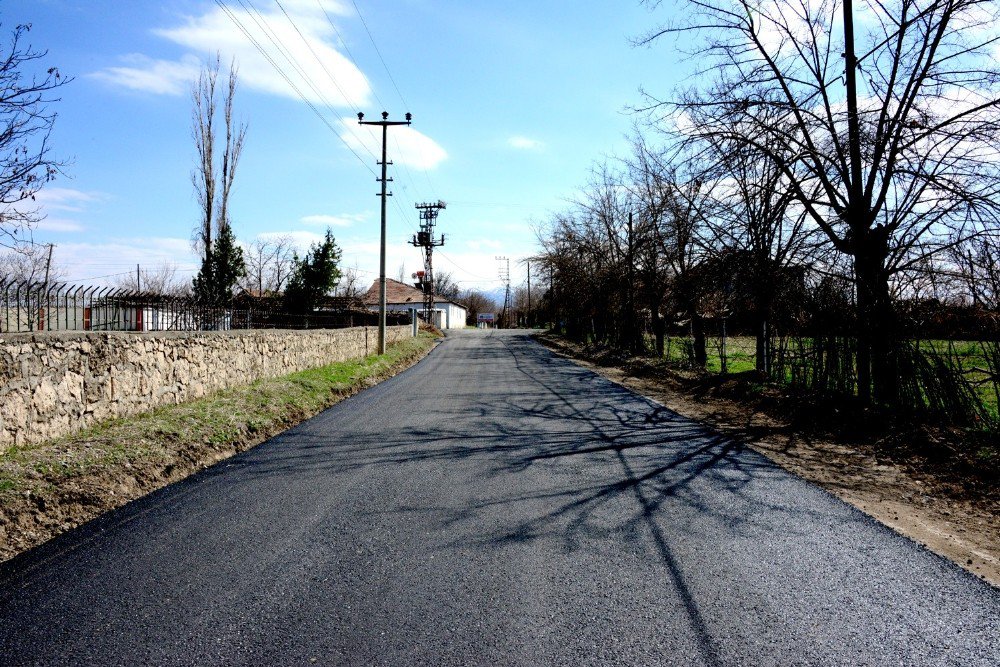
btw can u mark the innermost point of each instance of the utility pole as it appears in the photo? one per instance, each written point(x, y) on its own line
point(505, 277)
point(528, 319)
point(48, 264)
point(138, 280)
point(425, 239)
point(385, 123)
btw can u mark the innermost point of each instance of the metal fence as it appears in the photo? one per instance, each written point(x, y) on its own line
point(27, 307)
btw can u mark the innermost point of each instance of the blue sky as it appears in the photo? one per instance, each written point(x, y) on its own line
point(512, 103)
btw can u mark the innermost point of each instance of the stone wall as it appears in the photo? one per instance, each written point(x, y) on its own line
point(52, 384)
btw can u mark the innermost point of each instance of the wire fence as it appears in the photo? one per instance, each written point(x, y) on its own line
point(955, 380)
point(32, 307)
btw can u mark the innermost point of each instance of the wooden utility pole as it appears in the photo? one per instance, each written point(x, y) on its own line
point(528, 320)
point(385, 123)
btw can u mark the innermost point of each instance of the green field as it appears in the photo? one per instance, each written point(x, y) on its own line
point(972, 366)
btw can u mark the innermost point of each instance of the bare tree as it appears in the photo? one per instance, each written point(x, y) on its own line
point(33, 264)
point(213, 182)
point(977, 265)
point(891, 151)
point(36, 270)
point(476, 302)
point(759, 232)
point(351, 284)
point(161, 279)
point(26, 122)
point(445, 285)
point(223, 263)
point(269, 262)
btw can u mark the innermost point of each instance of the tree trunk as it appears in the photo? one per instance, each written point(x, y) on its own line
point(876, 331)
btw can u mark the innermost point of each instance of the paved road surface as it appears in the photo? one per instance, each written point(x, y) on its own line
point(494, 505)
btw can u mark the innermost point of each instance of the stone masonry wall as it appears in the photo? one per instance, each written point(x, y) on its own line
point(52, 384)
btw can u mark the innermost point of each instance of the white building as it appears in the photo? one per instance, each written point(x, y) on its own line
point(402, 297)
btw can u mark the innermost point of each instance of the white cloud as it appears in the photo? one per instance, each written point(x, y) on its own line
point(59, 225)
point(301, 239)
point(94, 263)
point(524, 143)
point(406, 145)
point(342, 220)
point(320, 73)
point(161, 77)
point(484, 244)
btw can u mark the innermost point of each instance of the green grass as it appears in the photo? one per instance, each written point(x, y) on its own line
point(977, 362)
point(740, 353)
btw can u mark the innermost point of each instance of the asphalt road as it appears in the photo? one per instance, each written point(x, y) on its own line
point(493, 505)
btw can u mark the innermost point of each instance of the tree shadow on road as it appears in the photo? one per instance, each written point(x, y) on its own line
point(564, 456)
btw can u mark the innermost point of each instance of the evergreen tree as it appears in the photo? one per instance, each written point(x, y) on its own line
point(220, 270)
point(314, 277)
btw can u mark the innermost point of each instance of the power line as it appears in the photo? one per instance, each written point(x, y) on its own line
point(391, 79)
point(272, 36)
point(283, 49)
point(333, 79)
point(460, 268)
point(365, 24)
point(291, 84)
point(319, 60)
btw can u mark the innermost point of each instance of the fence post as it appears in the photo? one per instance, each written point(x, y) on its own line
point(723, 362)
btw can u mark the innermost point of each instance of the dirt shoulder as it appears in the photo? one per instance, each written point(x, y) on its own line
point(52, 487)
point(932, 505)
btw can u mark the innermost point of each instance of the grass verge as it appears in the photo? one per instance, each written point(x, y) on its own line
point(51, 487)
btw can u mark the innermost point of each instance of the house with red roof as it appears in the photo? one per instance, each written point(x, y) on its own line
point(446, 314)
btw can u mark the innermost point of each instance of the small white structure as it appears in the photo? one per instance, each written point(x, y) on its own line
point(402, 297)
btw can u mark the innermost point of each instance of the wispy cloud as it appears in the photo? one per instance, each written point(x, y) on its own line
point(406, 146)
point(524, 143)
point(58, 225)
point(144, 74)
point(65, 201)
point(342, 220)
point(304, 36)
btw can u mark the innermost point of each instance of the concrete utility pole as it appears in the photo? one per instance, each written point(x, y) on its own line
point(425, 239)
point(385, 123)
point(505, 277)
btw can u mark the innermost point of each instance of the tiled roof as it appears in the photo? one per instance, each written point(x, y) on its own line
point(397, 292)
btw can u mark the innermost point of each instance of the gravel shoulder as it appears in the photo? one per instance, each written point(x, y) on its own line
point(937, 513)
